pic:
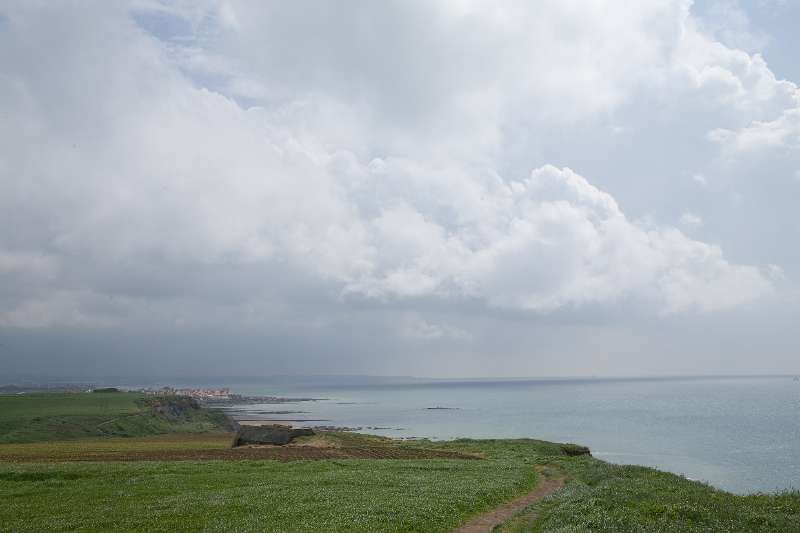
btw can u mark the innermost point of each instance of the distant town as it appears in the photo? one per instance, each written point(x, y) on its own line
point(209, 396)
point(198, 394)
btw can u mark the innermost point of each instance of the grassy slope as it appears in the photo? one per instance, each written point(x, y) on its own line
point(368, 495)
point(45, 417)
point(334, 495)
point(601, 497)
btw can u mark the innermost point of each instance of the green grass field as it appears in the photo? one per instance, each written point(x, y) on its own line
point(342, 495)
point(601, 497)
point(56, 416)
point(51, 486)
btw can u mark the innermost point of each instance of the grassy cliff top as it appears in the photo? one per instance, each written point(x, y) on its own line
point(184, 480)
point(64, 416)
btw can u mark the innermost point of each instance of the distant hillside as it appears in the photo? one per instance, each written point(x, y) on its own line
point(58, 416)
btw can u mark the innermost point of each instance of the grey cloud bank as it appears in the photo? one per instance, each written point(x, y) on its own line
point(449, 188)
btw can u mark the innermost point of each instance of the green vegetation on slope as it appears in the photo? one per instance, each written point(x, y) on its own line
point(57, 416)
point(42, 489)
point(332, 495)
point(601, 497)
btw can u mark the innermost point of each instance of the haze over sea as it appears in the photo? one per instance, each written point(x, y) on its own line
point(741, 434)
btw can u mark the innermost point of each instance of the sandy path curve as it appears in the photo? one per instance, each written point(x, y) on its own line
point(486, 522)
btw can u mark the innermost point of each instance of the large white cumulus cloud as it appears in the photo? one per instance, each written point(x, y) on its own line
point(541, 243)
point(369, 157)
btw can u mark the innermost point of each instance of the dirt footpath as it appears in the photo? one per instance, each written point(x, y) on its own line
point(486, 522)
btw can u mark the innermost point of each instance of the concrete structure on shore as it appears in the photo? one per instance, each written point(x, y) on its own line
point(275, 434)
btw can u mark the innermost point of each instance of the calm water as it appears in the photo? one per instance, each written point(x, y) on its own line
point(739, 434)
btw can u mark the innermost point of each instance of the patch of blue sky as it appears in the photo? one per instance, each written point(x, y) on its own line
point(164, 25)
point(182, 36)
point(775, 20)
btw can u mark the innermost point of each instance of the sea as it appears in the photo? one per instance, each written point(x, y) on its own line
point(740, 434)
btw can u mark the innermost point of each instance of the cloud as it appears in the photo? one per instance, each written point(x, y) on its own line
point(415, 327)
point(549, 241)
point(781, 134)
point(691, 220)
point(375, 171)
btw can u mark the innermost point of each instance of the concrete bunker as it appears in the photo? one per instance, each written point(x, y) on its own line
point(275, 434)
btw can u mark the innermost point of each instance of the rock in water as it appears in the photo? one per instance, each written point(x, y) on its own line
point(271, 434)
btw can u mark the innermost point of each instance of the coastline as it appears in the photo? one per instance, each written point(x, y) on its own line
point(673, 425)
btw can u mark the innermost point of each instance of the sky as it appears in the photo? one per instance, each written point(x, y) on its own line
point(457, 188)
